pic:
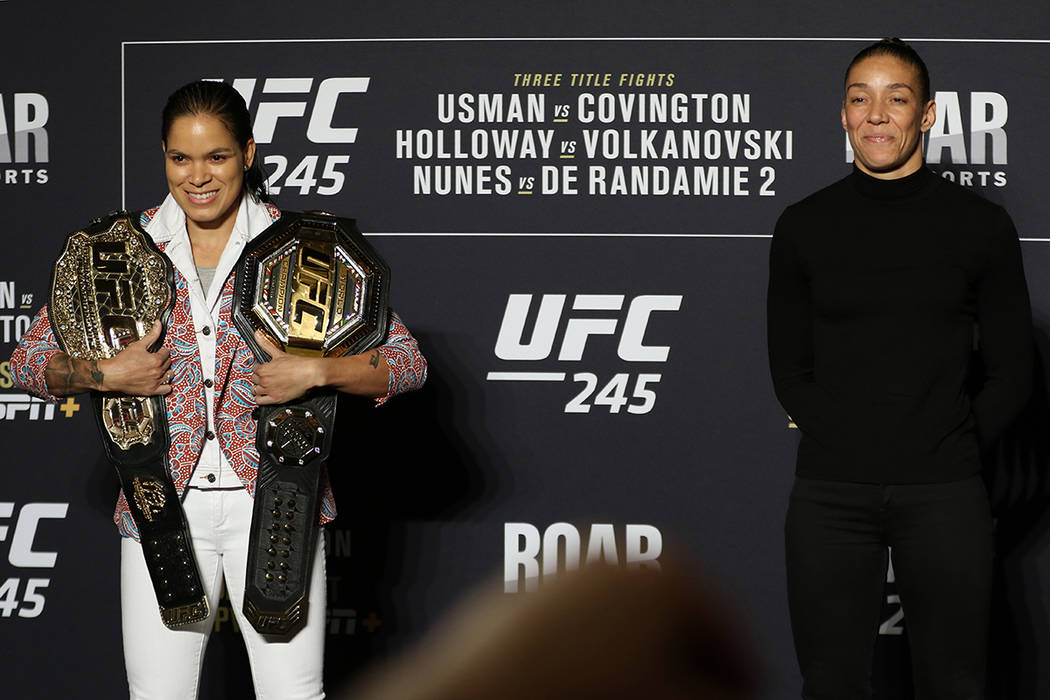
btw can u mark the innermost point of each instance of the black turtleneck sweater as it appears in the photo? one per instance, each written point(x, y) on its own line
point(875, 290)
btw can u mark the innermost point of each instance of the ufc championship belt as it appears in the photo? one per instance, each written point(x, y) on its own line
point(108, 287)
point(315, 287)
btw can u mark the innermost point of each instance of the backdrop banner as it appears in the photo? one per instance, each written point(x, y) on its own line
point(577, 223)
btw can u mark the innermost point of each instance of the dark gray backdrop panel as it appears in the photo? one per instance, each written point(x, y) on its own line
point(710, 465)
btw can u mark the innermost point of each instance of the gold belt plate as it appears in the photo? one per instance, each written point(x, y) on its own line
point(109, 285)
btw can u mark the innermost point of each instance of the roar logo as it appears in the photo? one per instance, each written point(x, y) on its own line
point(967, 133)
point(23, 138)
point(318, 164)
point(575, 331)
point(527, 553)
point(954, 147)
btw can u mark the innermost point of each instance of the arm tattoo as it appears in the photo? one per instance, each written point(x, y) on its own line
point(67, 376)
point(67, 387)
point(96, 374)
point(374, 359)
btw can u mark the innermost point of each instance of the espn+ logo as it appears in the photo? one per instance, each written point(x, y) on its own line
point(590, 315)
point(318, 165)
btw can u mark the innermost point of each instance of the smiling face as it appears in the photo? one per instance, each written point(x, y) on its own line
point(885, 116)
point(205, 167)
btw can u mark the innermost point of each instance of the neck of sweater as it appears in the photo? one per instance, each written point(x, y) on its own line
point(895, 189)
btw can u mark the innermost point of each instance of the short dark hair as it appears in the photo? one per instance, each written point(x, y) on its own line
point(900, 50)
point(219, 100)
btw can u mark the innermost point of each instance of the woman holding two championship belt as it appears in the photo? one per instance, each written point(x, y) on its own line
point(877, 286)
point(212, 384)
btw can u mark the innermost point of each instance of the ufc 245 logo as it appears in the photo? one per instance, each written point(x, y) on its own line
point(28, 600)
point(319, 128)
point(311, 106)
point(632, 334)
point(628, 321)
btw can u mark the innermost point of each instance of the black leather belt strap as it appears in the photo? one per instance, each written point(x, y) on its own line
point(294, 440)
point(158, 515)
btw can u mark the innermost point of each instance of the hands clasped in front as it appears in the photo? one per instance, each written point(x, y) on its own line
point(136, 371)
point(284, 377)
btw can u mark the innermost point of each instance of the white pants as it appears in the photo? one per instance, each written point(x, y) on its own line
point(165, 664)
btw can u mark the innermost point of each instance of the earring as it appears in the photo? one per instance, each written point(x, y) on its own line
point(245, 167)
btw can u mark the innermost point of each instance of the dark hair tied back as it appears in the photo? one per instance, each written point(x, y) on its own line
point(219, 100)
point(900, 50)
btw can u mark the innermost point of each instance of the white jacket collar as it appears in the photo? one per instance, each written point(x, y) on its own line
point(168, 226)
point(169, 223)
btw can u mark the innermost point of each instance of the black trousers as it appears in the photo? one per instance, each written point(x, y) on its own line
point(837, 535)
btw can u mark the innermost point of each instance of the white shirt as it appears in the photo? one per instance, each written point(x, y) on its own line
point(169, 226)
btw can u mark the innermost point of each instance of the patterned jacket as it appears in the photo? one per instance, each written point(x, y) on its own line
point(232, 389)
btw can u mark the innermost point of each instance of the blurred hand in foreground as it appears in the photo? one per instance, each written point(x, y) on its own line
point(600, 632)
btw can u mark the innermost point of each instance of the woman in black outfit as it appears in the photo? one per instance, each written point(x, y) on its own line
point(879, 287)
